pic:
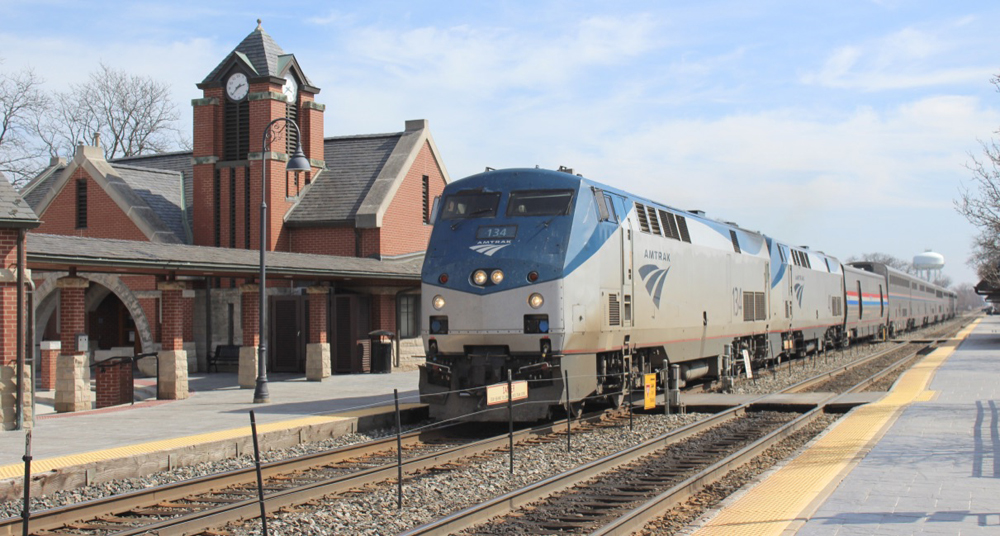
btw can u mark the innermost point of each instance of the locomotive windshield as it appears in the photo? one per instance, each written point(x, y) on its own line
point(539, 203)
point(464, 205)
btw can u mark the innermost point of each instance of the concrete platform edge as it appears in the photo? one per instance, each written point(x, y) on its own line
point(105, 470)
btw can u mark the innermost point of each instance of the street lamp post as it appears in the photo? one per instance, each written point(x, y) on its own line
point(298, 162)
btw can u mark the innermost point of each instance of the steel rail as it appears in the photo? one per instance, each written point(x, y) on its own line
point(638, 517)
point(822, 377)
point(506, 503)
point(53, 519)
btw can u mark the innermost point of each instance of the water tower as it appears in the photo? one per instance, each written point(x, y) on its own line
point(929, 264)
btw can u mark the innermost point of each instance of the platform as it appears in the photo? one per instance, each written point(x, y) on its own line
point(92, 446)
point(924, 459)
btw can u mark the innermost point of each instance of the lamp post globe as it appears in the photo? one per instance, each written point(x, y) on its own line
point(297, 162)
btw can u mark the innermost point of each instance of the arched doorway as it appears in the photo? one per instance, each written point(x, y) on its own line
point(114, 314)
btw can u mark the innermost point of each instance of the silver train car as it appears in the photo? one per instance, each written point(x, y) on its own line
point(539, 276)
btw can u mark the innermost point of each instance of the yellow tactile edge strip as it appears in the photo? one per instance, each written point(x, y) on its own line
point(797, 489)
point(61, 462)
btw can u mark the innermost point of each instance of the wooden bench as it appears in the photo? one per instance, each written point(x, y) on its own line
point(227, 354)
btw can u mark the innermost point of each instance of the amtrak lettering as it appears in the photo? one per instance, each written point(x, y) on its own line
point(656, 255)
point(489, 247)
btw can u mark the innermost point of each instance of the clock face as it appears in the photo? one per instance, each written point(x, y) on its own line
point(290, 89)
point(237, 86)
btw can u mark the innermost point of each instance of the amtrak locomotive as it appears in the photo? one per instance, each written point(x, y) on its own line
point(541, 275)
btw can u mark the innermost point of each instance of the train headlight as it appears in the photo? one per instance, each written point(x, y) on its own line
point(496, 277)
point(535, 300)
point(438, 302)
point(479, 277)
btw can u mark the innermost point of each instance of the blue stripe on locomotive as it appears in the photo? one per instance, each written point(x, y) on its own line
point(554, 246)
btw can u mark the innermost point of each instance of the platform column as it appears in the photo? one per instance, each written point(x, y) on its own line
point(72, 366)
point(249, 294)
point(318, 348)
point(173, 378)
point(49, 351)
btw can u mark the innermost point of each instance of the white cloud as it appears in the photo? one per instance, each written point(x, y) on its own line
point(908, 58)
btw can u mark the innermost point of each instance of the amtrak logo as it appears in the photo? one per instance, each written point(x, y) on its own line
point(799, 289)
point(654, 277)
point(489, 248)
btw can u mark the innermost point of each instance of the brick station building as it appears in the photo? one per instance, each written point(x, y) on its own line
point(160, 253)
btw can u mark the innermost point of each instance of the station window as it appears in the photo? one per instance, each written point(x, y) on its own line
point(81, 203)
point(409, 316)
point(426, 199)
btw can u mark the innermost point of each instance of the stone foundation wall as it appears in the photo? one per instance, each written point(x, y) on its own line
point(411, 354)
point(8, 397)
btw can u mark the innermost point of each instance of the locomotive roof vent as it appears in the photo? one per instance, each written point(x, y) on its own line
point(804, 247)
point(565, 169)
point(697, 212)
point(488, 168)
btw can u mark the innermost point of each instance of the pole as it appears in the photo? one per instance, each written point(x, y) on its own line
point(666, 390)
point(260, 479)
point(510, 418)
point(569, 415)
point(261, 394)
point(19, 408)
point(399, 454)
point(630, 403)
point(26, 507)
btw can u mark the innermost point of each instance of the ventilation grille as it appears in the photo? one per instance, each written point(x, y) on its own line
point(614, 310)
point(640, 212)
point(237, 128)
point(653, 223)
point(683, 227)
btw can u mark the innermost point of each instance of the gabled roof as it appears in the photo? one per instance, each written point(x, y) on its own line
point(153, 199)
point(14, 211)
point(361, 177)
point(262, 55)
point(352, 165)
point(180, 162)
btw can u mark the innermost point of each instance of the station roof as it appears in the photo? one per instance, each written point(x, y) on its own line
point(14, 211)
point(58, 252)
point(990, 291)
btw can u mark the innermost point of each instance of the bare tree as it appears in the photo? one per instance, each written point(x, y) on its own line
point(133, 115)
point(967, 298)
point(942, 281)
point(980, 204)
point(21, 105)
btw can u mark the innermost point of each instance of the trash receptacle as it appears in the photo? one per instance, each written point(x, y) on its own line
point(381, 351)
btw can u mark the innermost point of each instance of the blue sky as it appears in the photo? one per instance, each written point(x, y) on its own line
point(845, 126)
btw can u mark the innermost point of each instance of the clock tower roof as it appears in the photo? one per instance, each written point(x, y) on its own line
point(260, 54)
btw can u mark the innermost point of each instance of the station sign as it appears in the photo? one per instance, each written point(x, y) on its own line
point(650, 393)
point(497, 393)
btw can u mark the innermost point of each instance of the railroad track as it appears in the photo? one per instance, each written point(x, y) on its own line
point(197, 505)
point(621, 493)
point(215, 501)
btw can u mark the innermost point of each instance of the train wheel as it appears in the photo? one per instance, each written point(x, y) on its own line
point(615, 400)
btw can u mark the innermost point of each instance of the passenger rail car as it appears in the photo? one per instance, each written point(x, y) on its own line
point(913, 302)
point(538, 275)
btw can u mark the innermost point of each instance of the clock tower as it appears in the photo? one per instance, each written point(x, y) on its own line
point(254, 84)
